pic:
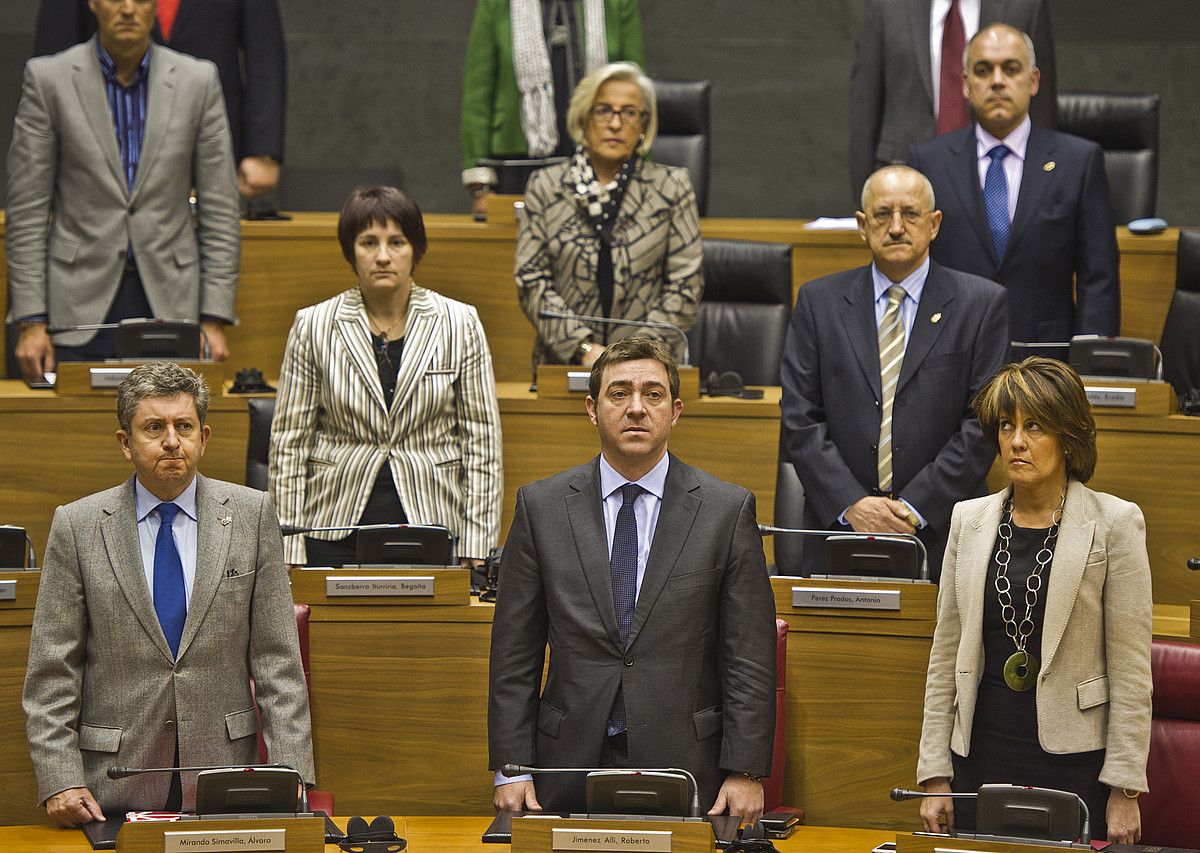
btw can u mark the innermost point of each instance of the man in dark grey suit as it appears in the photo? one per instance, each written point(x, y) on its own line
point(895, 86)
point(648, 581)
point(110, 140)
point(159, 600)
point(879, 370)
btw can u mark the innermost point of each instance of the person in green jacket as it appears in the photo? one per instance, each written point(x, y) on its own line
point(524, 59)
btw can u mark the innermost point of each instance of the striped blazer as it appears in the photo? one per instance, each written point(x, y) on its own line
point(332, 433)
point(656, 260)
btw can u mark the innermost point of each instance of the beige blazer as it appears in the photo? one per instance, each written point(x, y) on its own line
point(102, 688)
point(1093, 690)
point(332, 432)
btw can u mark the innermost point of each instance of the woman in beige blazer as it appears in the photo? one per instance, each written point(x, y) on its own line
point(608, 234)
point(387, 403)
point(1040, 668)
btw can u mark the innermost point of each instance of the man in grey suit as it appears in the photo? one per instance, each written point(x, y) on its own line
point(111, 137)
point(647, 579)
point(879, 369)
point(896, 87)
point(159, 600)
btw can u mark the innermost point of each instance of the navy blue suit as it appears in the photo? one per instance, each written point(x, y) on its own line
point(831, 399)
point(1062, 232)
point(243, 38)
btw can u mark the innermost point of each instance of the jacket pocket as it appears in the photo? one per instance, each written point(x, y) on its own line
point(63, 250)
point(549, 720)
point(241, 724)
point(186, 254)
point(1092, 692)
point(99, 738)
point(707, 722)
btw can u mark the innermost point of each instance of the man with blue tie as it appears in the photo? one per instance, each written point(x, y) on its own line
point(647, 579)
point(1022, 205)
point(159, 600)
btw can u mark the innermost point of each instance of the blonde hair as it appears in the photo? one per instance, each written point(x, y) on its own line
point(1047, 391)
point(584, 98)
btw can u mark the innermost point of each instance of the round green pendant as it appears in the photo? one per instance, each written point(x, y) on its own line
point(1020, 671)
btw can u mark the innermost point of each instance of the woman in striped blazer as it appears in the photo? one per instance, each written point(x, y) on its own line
point(387, 408)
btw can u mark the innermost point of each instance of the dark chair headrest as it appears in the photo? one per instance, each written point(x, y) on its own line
point(682, 106)
point(747, 271)
point(1176, 671)
point(1116, 121)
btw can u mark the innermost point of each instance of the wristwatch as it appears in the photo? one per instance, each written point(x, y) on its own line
point(752, 777)
point(1130, 793)
point(584, 348)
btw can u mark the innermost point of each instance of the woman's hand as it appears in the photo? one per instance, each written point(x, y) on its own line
point(1124, 818)
point(937, 813)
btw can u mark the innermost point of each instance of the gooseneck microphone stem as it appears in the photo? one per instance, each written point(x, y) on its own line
point(902, 794)
point(617, 321)
point(510, 770)
point(123, 772)
point(298, 529)
point(769, 530)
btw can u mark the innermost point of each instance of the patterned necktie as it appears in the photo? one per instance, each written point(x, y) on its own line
point(952, 106)
point(891, 357)
point(995, 200)
point(170, 601)
point(624, 582)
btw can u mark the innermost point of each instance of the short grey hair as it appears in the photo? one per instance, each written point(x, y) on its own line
point(928, 187)
point(159, 379)
point(997, 26)
point(584, 97)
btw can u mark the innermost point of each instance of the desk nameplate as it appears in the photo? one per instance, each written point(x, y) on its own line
point(607, 840)
point(356, 585)
point(225, 839)
point(8, 590)
point(845, 598)
point(1112, 397)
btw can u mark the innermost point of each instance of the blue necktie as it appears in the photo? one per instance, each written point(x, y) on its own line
point(624, 582)
point(170, 601)
point(995, 200)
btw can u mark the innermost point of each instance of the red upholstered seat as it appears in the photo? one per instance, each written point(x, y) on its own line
point(773, 784)
point(1171, 811)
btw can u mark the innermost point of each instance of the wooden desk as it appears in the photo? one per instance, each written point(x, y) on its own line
point(454, 835)
point(288, 265)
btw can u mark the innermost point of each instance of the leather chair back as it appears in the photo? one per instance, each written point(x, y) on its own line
point(789, 512)
point(684, 131)
point(1126, 127)
point(1171, 811)
point(773, 784)
point(1181, 332)
point(258, 447)
point(745, 311)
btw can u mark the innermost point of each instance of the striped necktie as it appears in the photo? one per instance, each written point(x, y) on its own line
point(891, 356)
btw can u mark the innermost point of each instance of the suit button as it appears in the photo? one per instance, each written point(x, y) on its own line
point(121, 254)
point(132, 209)
point(170, 724)
point(628, 661)
point(874, 448)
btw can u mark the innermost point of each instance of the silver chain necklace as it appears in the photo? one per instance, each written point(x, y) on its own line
point(1021, 668)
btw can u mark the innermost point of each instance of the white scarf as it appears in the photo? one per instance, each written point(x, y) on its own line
point(531, 61)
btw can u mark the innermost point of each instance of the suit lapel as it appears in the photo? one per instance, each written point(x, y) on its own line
point(971, 579)
point(350, 321)
point(1035, 180)
point(1066, 569)
point(858, 319)
point(918, 11)
point(965, 178)
point(935, 299)
point(160, 102)
point(118, 528)
point(675, 518)
point(214, 531)
point(88, 80)
point(420, 345)
point(586, 516)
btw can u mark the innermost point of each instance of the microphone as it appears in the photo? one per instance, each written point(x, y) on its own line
point(902, 794)
point(769, 530)
point(1194, 564)
point(115, 772)
point(998, 790)
point(613, 321)
point(511, 770)
point(298, 529)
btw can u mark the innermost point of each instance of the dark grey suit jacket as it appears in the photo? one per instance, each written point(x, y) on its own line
point(831, 398)
point(102, 687)
point(698, 673)
point(891, 86)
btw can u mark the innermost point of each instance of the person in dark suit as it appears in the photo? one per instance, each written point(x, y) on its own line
point(243, 38)
point(895, 87)
point(1025, 206)
point(648, 579)
point(879, 369)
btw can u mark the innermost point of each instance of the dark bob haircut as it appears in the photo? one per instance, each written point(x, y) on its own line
point(1049, 392)
point(636, 348)
point(369, 206)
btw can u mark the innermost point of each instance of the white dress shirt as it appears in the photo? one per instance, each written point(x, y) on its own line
point(183, 529)
point(969, 10)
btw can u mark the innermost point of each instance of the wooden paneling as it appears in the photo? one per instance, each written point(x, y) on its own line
point(18, 790)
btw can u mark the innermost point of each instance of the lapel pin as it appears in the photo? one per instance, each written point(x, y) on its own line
point(1049, 167)
point(227, 520)
point(935, 317)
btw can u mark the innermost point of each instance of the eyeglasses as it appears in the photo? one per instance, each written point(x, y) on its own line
point(909, 214)
point(603, 113)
